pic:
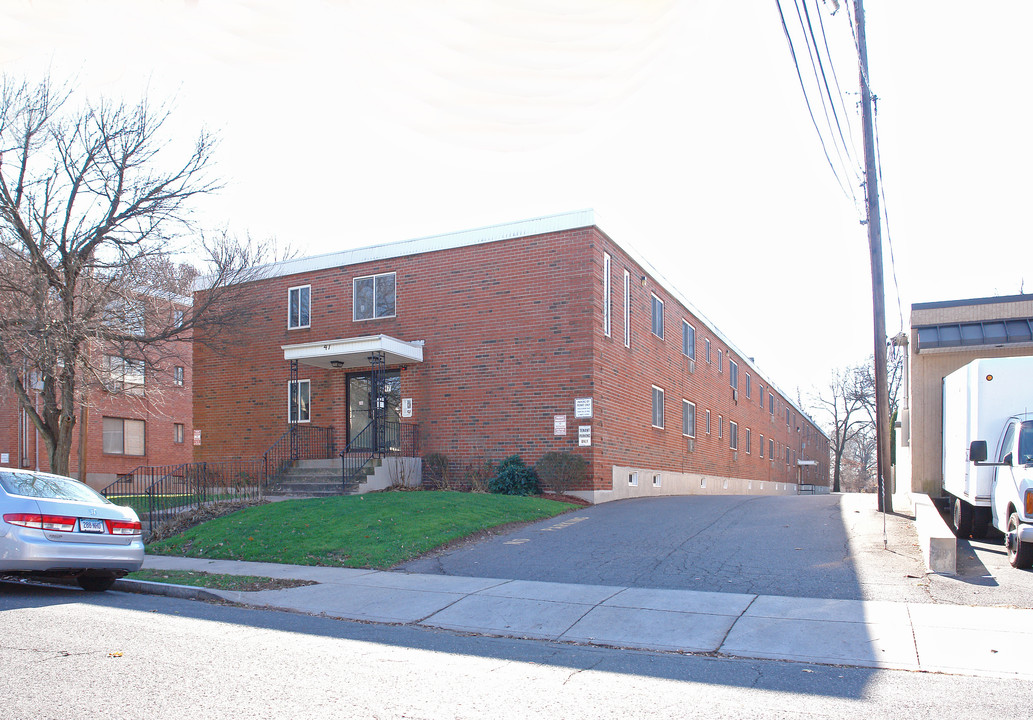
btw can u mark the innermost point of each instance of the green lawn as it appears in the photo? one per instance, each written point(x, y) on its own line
point(376, 530)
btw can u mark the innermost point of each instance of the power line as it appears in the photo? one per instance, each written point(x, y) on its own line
point(885, 212)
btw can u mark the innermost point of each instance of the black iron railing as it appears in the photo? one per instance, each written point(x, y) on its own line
point(377, 439)
point(159, 492)
point(300, 442)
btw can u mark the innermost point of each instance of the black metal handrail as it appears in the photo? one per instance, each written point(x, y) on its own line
point(156, 492)
point(377, 439)
point(299, 442)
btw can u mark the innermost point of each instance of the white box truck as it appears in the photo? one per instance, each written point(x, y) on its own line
point(988, 413)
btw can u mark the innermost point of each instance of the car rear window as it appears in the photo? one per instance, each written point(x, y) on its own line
point(43, 485)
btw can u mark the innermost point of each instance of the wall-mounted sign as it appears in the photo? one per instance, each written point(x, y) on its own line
point(559, 424)
point(197, 437)
point(5, 458)
point(584, 435)
point(583, 407)
point(406, 407)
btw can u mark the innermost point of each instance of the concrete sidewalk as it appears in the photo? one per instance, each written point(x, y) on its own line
point(879, 634)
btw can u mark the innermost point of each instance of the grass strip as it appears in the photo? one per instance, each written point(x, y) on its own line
point(217, 581)
point(375, 530)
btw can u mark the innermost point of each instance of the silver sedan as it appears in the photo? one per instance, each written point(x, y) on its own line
point(55, 526)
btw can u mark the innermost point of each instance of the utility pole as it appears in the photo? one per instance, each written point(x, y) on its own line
point(871, 191)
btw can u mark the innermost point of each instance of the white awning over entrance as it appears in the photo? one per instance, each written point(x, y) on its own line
point(354, 352)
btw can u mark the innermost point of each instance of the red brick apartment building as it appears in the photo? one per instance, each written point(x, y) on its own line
point(138, 417)
point(522, 338)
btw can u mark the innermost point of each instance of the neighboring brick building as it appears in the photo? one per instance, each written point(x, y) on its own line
point(495, 341)
point(946, 336)
point(137, 418)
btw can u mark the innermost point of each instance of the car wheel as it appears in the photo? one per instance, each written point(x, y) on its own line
point(1020, 554)
point(95, 583)
point(961, 518)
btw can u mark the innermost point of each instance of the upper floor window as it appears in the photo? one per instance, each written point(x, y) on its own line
point(178, 432)
point(760, 392)
point(123, 436)
point(706, 345)
point(771, 403)
point(606, 295)
point(708, 421)
point(299, 306)
point(177, 375)
point(749, 440)
point(658, 407)
point(627, 309)
point(658, 317)
point(748, 389)
point(688, 340)
point(125, 375)
point(374, 297)
point(688, 418)
point(761, 447)
point(733, 435)
point(733, 374)
point(298, 393)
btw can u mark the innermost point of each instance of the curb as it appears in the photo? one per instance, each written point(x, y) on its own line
point(182, 592)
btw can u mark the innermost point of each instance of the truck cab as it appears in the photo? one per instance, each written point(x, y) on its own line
point(1012, 489)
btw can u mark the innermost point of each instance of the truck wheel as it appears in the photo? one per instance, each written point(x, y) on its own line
point(1020, 554)
point(961, 517)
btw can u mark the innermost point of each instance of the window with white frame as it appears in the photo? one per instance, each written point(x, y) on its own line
point(733, 435)
point(733, 374)
point(771, 403)
point(748, 383)
point(177, 375)
point(761, 447)
point(178, 432)
point(771, 450)
point(707, 422)
point(299, 306)
point(688, 418)
point(123, 436)
point(720, 427)
point(760, 392)
point(373, 297)
point(706, 347)
point(125, 375)
point(658, 317)
point(607, 300)
point(658, 407)
point(298, 410)
point(720, 360)
point(633, 479)
point(656, 479)
point(688, 340)
point(627, 309)
point(748, 440)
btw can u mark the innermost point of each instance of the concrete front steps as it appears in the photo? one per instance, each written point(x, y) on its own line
point(317, 478)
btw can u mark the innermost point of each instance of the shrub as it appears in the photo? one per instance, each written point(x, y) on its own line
point(514, 478)
point(435, 471)
point(561, 471)
point(477, 475)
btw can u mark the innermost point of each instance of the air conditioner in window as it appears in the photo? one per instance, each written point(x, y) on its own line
point(691, 444)
point(692, 366)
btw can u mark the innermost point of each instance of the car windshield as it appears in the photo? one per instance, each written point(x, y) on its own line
point(1026, 443)
point(43, 485)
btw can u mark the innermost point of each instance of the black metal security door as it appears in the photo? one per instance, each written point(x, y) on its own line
point(377, 400)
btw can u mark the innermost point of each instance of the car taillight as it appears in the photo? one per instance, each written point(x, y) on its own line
point(124, 527)
point(24, 520)
point(58, 522)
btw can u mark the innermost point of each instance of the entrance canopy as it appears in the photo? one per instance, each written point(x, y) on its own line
point(350, 353)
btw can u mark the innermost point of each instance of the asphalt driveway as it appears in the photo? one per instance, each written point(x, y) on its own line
point(827, 546)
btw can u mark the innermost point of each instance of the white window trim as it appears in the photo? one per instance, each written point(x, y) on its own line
point(708, 422)
point(633, 479)
point(691, 354)
point(178, 375)
point(654, 301)
point(300, 382)
point(179, 432)
point(720, 427)
point(749, 386)
point(761, 447)
point(299, 288)
point(706, 342)
point(607, 299)
point(656, 480)
point(733, 435)
point(749, 440)
point(653, 407)
point(733, 373)
point(627, 309)
point(692, 428)
point(355, 281)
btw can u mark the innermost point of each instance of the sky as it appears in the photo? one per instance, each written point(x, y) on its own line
point(681, 123)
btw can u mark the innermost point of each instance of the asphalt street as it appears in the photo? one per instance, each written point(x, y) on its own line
point(66, 653)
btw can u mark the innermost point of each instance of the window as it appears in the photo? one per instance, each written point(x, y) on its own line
point(720, 361)
point(708, 422)
point(658, 407)
point(123, 437)
point(706, 345)
point(688, 340)
point(177, 433)
point(733, 435)
point(177, 375)
point(771, 403)
point(749, 439)
point(760, 391)
point(658, 317)
point(125, 375)
point(178, 316)
point(688, 418)
point(656, 479)
point(733, 374)
point(720, 427)
point(298, 306)
point(298, 401)
point(771, 449)
point(748, 383)
point(607, 304)
point(633, 479)
point(627, 309)
point(373, 297)
point(761, 447)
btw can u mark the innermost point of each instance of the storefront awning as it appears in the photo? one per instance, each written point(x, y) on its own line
point(351, 353)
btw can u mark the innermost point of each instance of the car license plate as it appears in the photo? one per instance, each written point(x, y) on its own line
point(90, 525)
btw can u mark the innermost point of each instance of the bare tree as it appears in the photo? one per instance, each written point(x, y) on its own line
point(859, 461)
point(841, 402)
point(866, 383)
point(95, 226)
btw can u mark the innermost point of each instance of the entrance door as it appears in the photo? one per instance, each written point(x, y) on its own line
point(360, 410)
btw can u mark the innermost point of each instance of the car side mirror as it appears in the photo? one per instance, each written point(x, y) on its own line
point(1007, 460)
point(977, 451)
